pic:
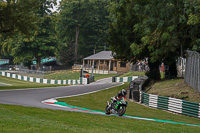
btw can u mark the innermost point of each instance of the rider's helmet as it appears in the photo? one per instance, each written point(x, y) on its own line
point(124, 92)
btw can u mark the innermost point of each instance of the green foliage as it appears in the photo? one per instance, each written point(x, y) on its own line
point(18, 16)
point(193, 19)
point(82, 26)
point(65, 54)
point(137, 29)
point(40, 43)
point(154, 29)
point(121, 35)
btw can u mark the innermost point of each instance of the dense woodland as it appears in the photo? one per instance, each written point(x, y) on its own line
point(133, 29)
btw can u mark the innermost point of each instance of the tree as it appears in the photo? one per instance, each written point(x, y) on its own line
point(41, 43)
point(159, 29)
point(121, 35)
point(83, 23)
point(65, 54)
point(18, 16)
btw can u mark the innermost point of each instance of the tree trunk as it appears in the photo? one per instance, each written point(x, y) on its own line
point(76, 43)
point(38, 62)
point(154, 72)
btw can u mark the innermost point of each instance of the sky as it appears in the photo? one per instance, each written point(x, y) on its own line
point(55, 7)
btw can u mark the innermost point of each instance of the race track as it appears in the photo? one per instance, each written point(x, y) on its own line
point(34, 97)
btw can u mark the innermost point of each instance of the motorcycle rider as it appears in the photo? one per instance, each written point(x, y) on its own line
point(118, 96)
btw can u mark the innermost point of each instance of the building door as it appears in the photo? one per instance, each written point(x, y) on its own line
point(111, 66)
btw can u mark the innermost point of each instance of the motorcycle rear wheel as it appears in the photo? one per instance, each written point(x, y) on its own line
point(107, 110)
point(121, 110)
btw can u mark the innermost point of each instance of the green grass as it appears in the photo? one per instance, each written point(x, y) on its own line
point(61, 75)
point(17, 119)
point(68, 74)
point(97, 101)
point(101, 76)
point(20, 84)
point(175, 88)
point(135, 73)
point(139, 73)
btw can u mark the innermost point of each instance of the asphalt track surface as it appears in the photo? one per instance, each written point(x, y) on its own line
point(34, 97)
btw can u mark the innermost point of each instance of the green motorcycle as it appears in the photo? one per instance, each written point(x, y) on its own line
point(118, 107)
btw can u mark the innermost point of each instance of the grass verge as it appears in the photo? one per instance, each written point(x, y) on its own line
point(135, 73)
point(20, 84)
point(28, 119)
point(18, 119)
point(97, 101)
point(68, 74)
point(64, 74)
point(175, 88)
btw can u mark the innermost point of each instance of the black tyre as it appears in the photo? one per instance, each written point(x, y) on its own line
point(121, 110)
point(107, 110)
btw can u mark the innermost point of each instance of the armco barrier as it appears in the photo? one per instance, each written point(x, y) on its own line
point(172, 104)
point(45, 81)
point(125, 79)
point(165, 103)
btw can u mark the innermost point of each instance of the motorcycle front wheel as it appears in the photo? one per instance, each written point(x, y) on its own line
point(107, 110)
point(121, 110)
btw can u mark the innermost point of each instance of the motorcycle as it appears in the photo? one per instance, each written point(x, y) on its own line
point(118, 107)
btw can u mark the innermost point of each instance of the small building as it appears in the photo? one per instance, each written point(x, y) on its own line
point(104, 63)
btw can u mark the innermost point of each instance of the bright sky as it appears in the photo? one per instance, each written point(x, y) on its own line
point(55, 7)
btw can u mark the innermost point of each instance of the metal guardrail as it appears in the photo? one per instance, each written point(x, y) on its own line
point(123, 79)
point(165, 103)
point(192, 71)
point(135, 87)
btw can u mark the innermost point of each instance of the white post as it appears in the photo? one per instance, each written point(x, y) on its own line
point(103, 66)
point(83, 62)
point(98, 66)
point(109, 66)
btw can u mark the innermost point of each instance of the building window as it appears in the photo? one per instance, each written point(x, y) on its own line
point(115, 64)
point(122, 64)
